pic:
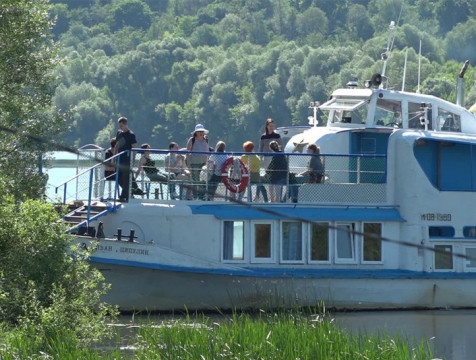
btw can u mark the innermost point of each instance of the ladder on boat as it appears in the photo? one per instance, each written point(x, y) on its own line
point(78, 219)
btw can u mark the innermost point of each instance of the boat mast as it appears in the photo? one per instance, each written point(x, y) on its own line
point(419, 69)
point(385, 55)
point(404, 70)
point(313, 120)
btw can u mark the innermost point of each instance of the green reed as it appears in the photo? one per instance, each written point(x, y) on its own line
point(286, 335)
point(282, 335)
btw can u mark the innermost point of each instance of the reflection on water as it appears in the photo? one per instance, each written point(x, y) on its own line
point(451, 333)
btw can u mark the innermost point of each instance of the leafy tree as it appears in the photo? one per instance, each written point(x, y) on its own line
point(27, 58)
point(74, 3)
point(46, 292)
point(313, 20)
point(105, 135)
point(133, 13)
point(185, 26)
point(451, 12)
point(211, 14)
point(205, 35)
point(385, 11)
point(460, 42)
point(359, 24)
point(59, 13)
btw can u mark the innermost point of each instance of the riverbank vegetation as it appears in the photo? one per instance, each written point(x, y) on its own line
point(46, 294)
point(285, 335)
point(47, 288)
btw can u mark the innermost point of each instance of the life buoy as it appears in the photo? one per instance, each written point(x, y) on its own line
point(229, 166)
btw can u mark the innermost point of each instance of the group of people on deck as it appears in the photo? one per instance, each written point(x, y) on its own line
point(190, 168)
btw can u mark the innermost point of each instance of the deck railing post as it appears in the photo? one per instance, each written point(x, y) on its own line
point(358, 169)
point(91, 176)
point(64, 193)
point(116, 184)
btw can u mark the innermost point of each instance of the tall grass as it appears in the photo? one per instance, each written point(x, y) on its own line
point(284, 335)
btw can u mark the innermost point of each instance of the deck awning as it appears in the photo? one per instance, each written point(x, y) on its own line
point(299, 212)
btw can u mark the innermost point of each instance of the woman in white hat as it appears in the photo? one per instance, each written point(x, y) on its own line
point(198, 142)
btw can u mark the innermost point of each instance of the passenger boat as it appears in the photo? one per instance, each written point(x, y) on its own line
point(392, 226)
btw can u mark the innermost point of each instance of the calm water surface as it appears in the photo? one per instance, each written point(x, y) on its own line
point(451, 333)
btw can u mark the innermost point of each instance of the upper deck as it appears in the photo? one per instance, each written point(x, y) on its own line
point(348, 179)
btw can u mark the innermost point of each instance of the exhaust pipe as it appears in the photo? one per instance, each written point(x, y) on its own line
point(460, 85)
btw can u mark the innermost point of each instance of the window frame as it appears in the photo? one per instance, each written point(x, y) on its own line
point(245, 243)
point(329, 244)
point(262, 260)
point(281, 243)
point(354, 246)
point(453, 262)
point(362, 243)
point(465, 267)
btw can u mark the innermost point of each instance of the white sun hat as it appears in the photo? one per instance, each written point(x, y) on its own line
point(199, 127)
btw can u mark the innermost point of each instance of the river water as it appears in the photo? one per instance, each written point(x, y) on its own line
point(451, 333)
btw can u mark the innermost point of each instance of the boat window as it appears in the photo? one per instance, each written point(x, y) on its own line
point(233, 240)
point(388, 113)
point(449, 166)
point(345, 246)
point(319, 242)
point(470, 261)
point(291, 245)
point(358, 116)
point(469, 232)
point(416, 116)
point(372, 242)
point(262, 241)
point(441, 231)
point(448, 121)
point(443, 257)
point(343, 104)
point(350, 111)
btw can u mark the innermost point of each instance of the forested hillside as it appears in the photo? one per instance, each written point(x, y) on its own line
point(168, 64)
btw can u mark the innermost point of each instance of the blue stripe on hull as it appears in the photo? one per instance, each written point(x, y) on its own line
point(296, 273)
point(314, 213)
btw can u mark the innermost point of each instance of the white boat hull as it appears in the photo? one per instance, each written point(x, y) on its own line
point(162, 290)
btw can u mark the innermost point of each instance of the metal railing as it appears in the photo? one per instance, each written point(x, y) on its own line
point(266, 184)
point(170, 175)
point(93, 186)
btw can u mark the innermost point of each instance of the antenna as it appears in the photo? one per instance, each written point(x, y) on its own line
point(419, 69)
point(404, 70)
point(384, 56)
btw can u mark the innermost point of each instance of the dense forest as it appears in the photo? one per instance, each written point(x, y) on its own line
point(167, 65)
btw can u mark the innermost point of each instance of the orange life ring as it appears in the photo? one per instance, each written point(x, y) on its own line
point(230, 185)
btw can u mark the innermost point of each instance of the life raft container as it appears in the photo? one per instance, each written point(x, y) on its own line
point(238, 171)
